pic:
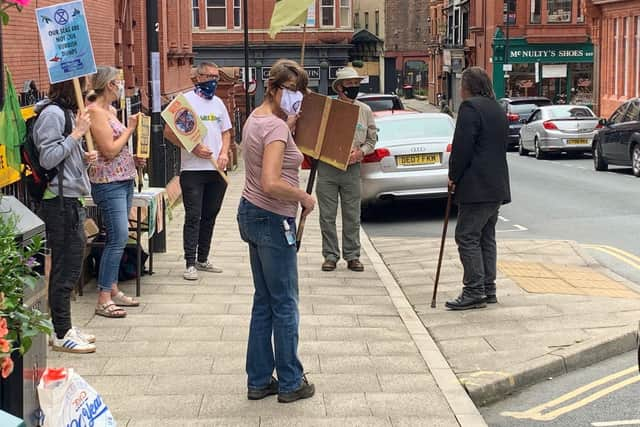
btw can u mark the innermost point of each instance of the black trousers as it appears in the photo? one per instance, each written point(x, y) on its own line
point(476, 239)
point(202, 195)
point(67, 241)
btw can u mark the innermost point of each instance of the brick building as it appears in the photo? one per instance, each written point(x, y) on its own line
point(118, 35)
point(407, 34)
point(218, 36)
point(616, 35)
point(548, 43)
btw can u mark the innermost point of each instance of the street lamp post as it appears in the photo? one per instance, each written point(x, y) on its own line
point(506, 67)
point(245, 18)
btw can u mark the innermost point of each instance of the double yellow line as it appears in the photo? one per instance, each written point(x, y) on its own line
point(545, 411)
point(624, 256)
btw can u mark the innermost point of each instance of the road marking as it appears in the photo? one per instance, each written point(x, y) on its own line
point(517, 229)
point(536, 413)
point(503, 219)
point(624, 256)
point(616, 423)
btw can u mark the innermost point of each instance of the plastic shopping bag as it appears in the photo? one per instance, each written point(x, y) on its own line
point(67, 400)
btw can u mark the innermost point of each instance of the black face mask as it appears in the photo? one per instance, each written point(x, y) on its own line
point(351, 92)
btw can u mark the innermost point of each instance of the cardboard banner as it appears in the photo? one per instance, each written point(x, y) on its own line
point(143, 132)
point(326, 128)
point(64, 35)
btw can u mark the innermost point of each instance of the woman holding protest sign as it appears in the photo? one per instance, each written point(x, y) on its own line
point(266, 218)
point(58, 134)
point(112, 181)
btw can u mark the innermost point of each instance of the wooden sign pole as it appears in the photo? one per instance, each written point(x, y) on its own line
point(80, 102)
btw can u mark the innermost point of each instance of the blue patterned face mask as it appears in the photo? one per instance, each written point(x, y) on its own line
point(207, 89)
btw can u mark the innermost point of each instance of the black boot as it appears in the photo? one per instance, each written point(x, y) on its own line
point(490, 292)
point(466, 302)
point(261, 393)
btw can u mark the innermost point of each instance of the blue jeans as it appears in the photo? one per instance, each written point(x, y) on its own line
point(114, 201)
point(275, 301)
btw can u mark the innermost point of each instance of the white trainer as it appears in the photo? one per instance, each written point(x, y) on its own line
point(72, 343)
point(208, 267)
point(190, 273)
point(90, 338)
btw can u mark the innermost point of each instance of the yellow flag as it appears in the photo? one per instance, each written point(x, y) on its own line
point(288, 12)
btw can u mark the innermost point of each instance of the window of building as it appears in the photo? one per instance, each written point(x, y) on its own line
point(195, 14)
point(616, 53)
point(522, 80)
point(237, 15)
point(465, 25)
point(509, 12)
point(580, 13)
point(345, 13)
point(456, 26)
point(327, 9)
point(625, 55)
point(450, 29)
point(536, 11)
point(637, 56)
point(366, 20)
point(356, 21)
point(216, 14)
point(581, 83)
point(559, 11)
point(377, 22)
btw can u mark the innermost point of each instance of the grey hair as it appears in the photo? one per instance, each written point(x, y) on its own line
point(204, 65)
point(476, 82)
point(100, 80)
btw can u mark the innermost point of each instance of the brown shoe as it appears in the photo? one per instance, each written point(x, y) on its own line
point(328, 265)
point(355, 265)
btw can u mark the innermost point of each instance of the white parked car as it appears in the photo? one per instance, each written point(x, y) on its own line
point(558, 128)
point(411, 159)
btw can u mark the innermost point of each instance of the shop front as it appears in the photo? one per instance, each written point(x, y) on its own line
point(561, 72)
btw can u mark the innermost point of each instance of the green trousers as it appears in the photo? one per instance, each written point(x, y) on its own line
point(332, 183)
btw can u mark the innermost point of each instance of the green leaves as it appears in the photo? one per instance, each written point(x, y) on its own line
point(17, 273)
point(5, 17)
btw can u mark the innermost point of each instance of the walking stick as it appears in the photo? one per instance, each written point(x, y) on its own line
point(444, 236)
point(312, 180)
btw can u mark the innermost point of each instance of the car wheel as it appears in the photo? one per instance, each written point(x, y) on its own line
point(635, 160)
point(599, 163)
point(521, 150)
point(540, 155)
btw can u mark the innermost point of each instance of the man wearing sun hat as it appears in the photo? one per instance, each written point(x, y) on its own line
point(333, 182)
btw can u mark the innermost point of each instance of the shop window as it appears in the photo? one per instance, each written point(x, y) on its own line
point(559, 11)
point(236, 14)
point(195, 14)
point(216, 14)
point(327, 9)
point(536, 11)
point(509, 12)
point(345, 13)
point(522, 80)
point(366, 20)
point(581, 84)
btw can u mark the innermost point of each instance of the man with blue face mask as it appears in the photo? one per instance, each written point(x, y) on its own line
point(203, 187)
point(334, 183)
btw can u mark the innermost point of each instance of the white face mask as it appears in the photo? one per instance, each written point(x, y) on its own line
point(291, 102)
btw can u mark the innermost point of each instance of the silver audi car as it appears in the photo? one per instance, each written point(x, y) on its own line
point(558, 128)
point(411, 159)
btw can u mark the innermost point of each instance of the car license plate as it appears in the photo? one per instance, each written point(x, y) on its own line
point(579, 141)
point(418, 159)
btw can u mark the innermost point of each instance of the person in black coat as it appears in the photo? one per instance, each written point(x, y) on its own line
point(479, 180)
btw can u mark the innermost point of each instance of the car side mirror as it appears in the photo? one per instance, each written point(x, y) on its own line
point(603, 122)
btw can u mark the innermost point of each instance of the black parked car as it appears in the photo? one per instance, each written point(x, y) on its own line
point(618, 141)
point(518, 110)
point(381, 102)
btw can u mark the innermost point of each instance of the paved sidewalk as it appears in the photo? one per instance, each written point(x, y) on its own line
point(558, 310)
point(179, 358)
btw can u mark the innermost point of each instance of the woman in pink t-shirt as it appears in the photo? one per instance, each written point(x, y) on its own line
point(266, 217)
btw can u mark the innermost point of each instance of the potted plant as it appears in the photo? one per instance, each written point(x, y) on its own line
point(18, 323)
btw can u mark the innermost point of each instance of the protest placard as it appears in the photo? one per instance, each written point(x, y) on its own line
point(187, 126)
point(64, 35)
